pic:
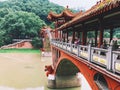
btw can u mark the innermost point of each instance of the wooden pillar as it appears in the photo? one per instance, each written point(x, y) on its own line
point(64, 37)
point(101, 38)
point(57, 34)
point(73, 37)
point(96, 34)
point(78, 34)
point(111, 34)
point(60, 35)
point(67, 36)
point(54, 35)
point(101, 28)
point(84, 37)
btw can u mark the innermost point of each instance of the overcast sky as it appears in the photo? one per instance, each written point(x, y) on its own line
point(86, 4)
point(76, 4)
point(2, 0)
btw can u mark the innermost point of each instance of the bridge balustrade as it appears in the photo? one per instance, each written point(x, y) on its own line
point(116, 61)
point(74, 49)
point(99, 56)
point(83, 51)
point(68, 47)
point(105, 58)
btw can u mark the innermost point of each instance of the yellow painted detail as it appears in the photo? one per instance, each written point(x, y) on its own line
point(84, 54)
point(100, 60)
point(117, 66)
point(74, 50)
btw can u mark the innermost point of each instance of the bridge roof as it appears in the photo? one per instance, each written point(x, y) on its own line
point(100, 8)
point(63, 15)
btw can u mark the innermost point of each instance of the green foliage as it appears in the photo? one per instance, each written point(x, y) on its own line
point(118, 35)
point(37, 43)
point(39, 7)
point(19, 51)
point(91, 34)
point(24, 18)
point(106, 34)
point(116, 31)
point(21, 25)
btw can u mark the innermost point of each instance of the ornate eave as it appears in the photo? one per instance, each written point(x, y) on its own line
point(100, 8)
point(65, 14)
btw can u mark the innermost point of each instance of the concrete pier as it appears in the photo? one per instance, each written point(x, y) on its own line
point(63, 81)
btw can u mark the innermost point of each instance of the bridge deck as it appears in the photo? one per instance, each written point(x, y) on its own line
point(92, 65)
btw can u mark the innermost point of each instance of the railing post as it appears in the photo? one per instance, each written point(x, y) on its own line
point(78, 49)
point(109, 57)
point(62, 45)
point(66, 45)
point(71, 46)
point(89, 52)
point(58, 43)
point(113, 62)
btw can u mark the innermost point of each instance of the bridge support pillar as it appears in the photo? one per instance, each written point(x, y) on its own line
point(63, 81)
point(51, 81)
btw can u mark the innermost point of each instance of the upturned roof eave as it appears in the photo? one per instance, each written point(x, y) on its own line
point(91, 13)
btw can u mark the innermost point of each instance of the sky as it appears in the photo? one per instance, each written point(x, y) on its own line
point(76, 4)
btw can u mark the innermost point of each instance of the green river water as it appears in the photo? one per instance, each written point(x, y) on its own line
point(24, 71)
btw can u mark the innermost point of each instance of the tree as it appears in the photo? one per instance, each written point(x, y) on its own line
point(24, 18)
point(22, 24)
point(37, 43)
point(91, 34)
point(106, 34)
point(39, 7)
point(118, 35)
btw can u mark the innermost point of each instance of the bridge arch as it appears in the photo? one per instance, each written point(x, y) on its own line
point(85, 70)
point(89, 73)
point(66, 68)
point(101, 81)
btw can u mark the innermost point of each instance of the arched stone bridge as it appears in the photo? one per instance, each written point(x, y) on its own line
point(68, 62)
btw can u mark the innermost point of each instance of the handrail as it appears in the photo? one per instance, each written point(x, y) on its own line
point(108, 58)
point(100, 49)
point(116, 52)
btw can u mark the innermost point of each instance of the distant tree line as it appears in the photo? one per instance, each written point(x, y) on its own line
point(20, 19)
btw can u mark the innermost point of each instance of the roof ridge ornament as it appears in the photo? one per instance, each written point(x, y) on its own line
point(67, 7)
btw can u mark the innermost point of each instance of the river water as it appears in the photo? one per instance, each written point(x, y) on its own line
point(25, 71)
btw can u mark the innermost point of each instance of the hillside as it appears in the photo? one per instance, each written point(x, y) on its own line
point(24, 18)
point(39, 7)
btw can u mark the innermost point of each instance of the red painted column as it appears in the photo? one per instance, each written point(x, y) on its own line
point(64, 37)
point(96, 34)
point(67, 36)
point(84, 37)
point(73, 37)
point(101, 38)
point(60, 35)
point(56, 34)
point(78, 35)
point(101, 33)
